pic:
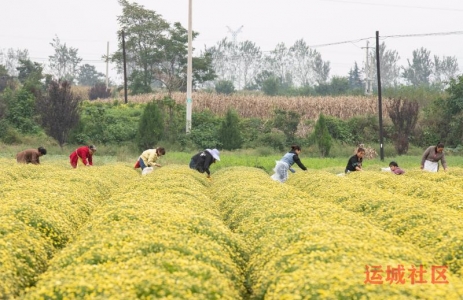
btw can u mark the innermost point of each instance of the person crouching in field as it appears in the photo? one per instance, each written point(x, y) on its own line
point(30, 156)
point(431, 157)
point(395, 168)
point(85, 154)
point(148, 159)
point(202, 161)
point(355, 162)
point(285, 164)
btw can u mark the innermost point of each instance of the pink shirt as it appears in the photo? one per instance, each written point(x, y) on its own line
point(398, 171)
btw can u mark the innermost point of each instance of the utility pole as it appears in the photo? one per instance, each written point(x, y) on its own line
point(125, 67)
point(380, 106)
point(367, 71)
point(107, 65)
point(189, 101)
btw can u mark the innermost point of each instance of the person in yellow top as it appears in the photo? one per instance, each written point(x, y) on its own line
point(149, 157)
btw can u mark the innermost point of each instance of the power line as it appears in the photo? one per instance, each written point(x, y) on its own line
point(395, 5)
point(389, 36)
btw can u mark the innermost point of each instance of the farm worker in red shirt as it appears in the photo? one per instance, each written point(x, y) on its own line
point(85, 153)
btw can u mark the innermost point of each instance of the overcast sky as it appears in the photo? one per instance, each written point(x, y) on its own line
point(89, 24)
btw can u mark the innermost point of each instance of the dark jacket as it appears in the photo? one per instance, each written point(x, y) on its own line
point(354, 162)
point(202, 161)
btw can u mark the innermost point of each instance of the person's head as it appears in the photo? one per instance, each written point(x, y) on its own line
point(360, 152)
point(92, 149)
point(160, 151)
point(215, 155)
point(393, 165)
point(42, 151)
point(440, 147)
point(296, 149)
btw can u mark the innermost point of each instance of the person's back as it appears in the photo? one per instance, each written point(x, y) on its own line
point(30, 156)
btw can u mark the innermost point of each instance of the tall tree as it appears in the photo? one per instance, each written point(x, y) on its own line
point(151, 126)
point(390, 70)
point(250, 56)
point(89, 76)
point(420, 68)
point(444, 70)
point(155, 50)
point(404, 116)
point(321, 69)
point(321, 136)
point(64, 63)
point(59, 110)
point(355, 80)
point(10, 59)
point(229, 132)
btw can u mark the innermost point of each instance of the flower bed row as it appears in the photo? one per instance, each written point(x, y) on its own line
point(160, 238)
point(435, 228)
point(303, 247)
point(41, 210)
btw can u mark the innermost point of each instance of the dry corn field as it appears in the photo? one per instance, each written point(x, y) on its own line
point(107, 232)
point(261, 106)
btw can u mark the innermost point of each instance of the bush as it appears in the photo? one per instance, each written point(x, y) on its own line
point(339, 130)
point(274, 139)
point(151, 126)
point(224, 87)
point(20, 110)
point(322, 137)
point(229, 132)
point(8, 134)
point(99, 90)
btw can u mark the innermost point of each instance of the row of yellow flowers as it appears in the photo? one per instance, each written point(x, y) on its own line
point(393, 203)
point(41, 210)
point(305, 247)
point(160, 238)
point(175, 234)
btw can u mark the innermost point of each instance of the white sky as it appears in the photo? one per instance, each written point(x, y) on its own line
point(89, 24)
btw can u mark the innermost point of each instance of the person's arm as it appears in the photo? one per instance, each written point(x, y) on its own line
point(207, 163)
point(35, 159)
point(444, 162)
point(152, 157)
point(297, 160)
point(82, 152)
point(425, 155)
point(90, 159)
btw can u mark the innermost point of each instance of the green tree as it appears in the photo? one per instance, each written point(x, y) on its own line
point(20, 110)
point(224, 87)
point(89, 76)
point(65, 61)
point(287, 121)
point(59, 110)
point(271, 86)
point(155, 50)
point(229, 132)
point(355, 80)
point(420, 69)
point(4, 78)
point(321, 136)
point(151, 126)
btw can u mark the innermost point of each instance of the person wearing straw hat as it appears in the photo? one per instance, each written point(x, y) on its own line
point(203, 160)
point(85, 153)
